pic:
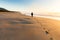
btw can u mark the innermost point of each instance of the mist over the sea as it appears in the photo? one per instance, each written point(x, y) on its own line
point(55, 16)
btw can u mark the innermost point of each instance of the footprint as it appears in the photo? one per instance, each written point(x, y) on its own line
point(44, 28)
point(51, 38)
point(46, 32)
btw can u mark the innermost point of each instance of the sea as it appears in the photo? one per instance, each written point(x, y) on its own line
point(50, 17)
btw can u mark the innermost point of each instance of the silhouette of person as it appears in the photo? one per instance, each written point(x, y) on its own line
point(32, 14)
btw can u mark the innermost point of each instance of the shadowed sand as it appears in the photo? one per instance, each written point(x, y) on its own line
point(15, 26)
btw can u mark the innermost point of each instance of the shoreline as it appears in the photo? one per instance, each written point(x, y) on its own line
point(49, 17)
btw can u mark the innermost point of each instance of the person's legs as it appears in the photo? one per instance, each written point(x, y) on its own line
point(32, 15)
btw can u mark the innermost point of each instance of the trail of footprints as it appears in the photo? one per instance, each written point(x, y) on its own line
point(47, 33)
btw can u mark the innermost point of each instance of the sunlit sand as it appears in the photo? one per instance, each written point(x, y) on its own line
point(50, 26)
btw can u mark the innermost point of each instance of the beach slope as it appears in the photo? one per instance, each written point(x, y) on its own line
point(16, 26)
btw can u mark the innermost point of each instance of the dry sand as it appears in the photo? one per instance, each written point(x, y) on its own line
point(15, 26)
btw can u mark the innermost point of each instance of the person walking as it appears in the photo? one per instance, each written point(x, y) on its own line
point(32, 14)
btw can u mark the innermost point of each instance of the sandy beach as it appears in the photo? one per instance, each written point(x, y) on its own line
point(16, 26)
point(51, 27)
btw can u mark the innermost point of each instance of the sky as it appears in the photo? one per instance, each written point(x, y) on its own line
point(37, 6)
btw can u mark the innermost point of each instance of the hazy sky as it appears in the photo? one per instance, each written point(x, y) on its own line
point(31, 5)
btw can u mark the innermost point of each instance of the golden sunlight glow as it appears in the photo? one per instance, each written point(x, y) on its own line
point(54, 7)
